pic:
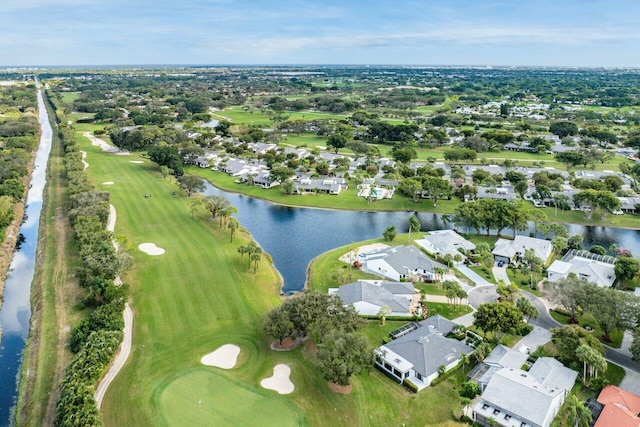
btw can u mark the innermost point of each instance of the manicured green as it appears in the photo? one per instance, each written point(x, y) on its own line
point(215, 400)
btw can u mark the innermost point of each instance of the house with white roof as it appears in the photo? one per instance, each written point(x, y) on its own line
point(320, 185)
point(512, 251)
point(369, 296)
point(417, 356)
point(594, 268)
point(517, 398)
point(401, 263)
point(501, 357)
point(444, 242)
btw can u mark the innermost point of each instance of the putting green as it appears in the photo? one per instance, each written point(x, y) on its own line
point(203, 398)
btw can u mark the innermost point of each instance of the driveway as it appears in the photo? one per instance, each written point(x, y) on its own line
point(631, 382)
point(534, 339)
point(473, 276)
point(500, 273)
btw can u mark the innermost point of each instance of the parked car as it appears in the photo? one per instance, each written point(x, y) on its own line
point(501, 264)
point(524, 349)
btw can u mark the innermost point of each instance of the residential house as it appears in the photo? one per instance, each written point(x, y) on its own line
point(504, 192)
point(512, 251)
point(621, 408)
point(320, 185)
point(417, 356)
point(594, 268)
point(264, 179)
point(501, 357)
point(401, 263)
point(444, 242)
point(628, 204)
point(517, 398)
point(369, 296)
point(525, 147)
point(261, 147)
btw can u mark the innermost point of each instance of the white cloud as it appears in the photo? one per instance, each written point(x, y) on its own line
point(460, 34)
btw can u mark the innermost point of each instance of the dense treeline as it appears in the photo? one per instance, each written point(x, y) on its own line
point(97, 337)
point(18, 138)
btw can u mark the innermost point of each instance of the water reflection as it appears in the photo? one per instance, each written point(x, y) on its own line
point(16, 309)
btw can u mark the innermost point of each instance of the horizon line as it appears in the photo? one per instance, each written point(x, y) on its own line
point(319, 65)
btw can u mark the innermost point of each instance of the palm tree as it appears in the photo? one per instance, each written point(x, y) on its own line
point(464, 359)
point(233, 226)
point(383, 313)
point(578, 413)
point(255, 258)
point(242, 250)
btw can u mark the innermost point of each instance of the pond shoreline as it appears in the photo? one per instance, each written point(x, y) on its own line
point(372, 208)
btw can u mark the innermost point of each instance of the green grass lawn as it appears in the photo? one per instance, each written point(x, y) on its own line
point(69, 97)
point(523, 280)
point(198, 296)
point(447, 310)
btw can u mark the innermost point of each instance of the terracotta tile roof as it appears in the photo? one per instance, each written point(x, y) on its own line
point(621, 408)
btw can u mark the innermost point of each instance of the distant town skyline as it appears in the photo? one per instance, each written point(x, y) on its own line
point(573, 33)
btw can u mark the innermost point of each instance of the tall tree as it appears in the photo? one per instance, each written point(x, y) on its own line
point(191, 184)
point(497, 318)
point(342, 355)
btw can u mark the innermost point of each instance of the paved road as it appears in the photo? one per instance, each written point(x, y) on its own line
point(544, 320)
point(482, 295)
point(613, 355)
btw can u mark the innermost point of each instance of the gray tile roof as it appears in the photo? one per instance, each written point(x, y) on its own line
point(378, 293)
point(448, 241)
point(399, 257)
point(524, 394)
point(427, 349)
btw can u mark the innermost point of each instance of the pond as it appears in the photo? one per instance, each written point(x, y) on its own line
point(294, 236)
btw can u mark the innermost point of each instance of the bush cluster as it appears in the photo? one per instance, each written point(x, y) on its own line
point(96, 339)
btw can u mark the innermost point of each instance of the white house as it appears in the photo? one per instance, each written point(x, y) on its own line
point(501, 357)
point(444, 242)
point(418, 355)
point(517, 398)
point(400, 263)
point(369, 296)
point(598, 269)
point(512, 251)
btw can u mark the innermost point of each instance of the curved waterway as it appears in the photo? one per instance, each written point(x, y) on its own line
point(294, 236)
point(16, 308)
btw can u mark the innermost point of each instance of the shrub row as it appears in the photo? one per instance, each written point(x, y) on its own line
point(96, 339)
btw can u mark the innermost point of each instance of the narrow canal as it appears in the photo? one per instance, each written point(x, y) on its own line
point(16, 308)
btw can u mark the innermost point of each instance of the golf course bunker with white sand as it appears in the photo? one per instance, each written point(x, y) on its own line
point(108, 183)
point(224, 357)
point(279, 381)
point(138, 162)
point(151, 249)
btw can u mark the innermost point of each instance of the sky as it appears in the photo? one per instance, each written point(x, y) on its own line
point(590, 33)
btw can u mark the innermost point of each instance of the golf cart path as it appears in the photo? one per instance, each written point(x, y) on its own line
point(120, 359)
